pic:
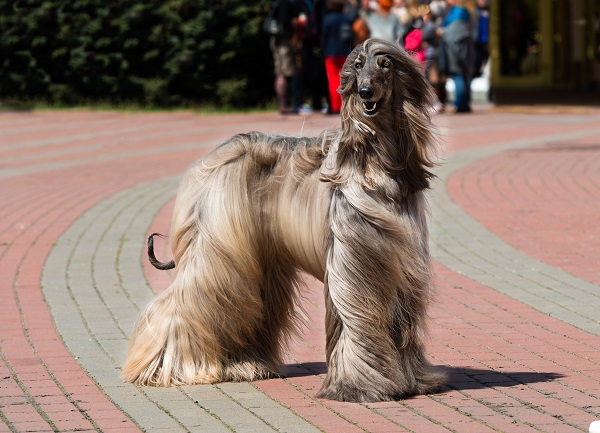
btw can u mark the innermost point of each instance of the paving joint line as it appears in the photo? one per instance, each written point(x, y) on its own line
point(30, 399)
point(31, 344)
point(205, 409)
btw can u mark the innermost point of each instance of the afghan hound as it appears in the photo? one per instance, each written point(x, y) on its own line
point(347, 207)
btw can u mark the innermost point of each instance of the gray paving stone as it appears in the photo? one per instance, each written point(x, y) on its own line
point(221, 406)
point(263, 406)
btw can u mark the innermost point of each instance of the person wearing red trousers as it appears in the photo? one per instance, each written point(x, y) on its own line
point(336, 44)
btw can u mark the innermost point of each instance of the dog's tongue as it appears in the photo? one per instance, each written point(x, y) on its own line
point(370, 106)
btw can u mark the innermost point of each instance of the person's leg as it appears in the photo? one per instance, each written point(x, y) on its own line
point(297, 94)
point(461, 101)
point(284, 69)
point(281, 91)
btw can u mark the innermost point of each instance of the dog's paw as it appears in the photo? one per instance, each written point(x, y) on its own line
point(431, 382)
point(247, 371)
point(354, 394)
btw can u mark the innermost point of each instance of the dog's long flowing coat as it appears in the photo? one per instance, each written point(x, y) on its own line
point(347, 207)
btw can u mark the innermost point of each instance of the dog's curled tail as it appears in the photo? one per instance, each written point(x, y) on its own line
point(152, 258)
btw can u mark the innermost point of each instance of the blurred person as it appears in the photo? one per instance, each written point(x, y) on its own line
point(412, 38)
point(310, 75)
point(439, 10)
point(481, 36)
point(336, 44)
point(284, 48)
point(456, 51)
point(401, 11)
point(383, 24)
point(360, 25)
point(431, 22)
point(352, 9)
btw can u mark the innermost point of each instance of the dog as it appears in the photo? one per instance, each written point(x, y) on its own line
point(347, 207)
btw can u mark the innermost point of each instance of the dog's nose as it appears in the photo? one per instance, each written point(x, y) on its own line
point(366, 92)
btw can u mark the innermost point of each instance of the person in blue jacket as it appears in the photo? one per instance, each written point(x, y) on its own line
point(456, 53)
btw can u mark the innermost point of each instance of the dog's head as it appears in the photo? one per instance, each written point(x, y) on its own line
point(386, 118)
point(379, 77)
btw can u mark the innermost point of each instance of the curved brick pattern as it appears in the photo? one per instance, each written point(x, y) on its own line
point(82, 190)
point(470, 248)
point(557, 189)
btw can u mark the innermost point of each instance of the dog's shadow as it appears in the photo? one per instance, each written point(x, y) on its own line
point(459, 378)
point(467, 378)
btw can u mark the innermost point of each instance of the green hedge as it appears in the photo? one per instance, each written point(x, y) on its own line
point(147, 52)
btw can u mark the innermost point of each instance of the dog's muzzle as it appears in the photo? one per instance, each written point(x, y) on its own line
point(366, 93)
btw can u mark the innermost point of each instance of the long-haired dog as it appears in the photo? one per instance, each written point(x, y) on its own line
point(347, 207)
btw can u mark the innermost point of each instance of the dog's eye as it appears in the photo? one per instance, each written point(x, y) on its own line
point(386, 64)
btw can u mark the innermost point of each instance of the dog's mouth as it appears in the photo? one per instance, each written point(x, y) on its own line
point(370, 108)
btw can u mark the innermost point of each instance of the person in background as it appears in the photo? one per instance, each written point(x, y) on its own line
point(401, 11)
point(383, 24)
point(412, 38)
point(310, 77)
point(284, 51)
point(360, 26)
point(456, 52)
point(481, 36)
point(336, 44)
point(431, 22)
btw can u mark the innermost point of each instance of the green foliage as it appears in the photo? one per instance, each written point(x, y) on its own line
point(149, 52)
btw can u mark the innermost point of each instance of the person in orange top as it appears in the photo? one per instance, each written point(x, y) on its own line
point(383, 24)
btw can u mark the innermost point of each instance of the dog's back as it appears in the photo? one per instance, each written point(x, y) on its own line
point(272, 183)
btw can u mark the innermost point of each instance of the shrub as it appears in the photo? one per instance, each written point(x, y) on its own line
point(147, 52)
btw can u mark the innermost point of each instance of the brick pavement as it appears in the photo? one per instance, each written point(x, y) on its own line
point(515, 322)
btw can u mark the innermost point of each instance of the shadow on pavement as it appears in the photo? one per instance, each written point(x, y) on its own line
point(304, 369)
point(465, 378)
point(459, 378)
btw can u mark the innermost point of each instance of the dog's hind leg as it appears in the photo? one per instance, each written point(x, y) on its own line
point(208, 326)
point(278, 293)
point(223, 317)
point(204, 328)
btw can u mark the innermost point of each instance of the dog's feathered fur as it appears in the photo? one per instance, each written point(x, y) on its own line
point(347, 207)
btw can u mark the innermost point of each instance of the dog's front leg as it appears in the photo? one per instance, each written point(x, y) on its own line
point(362, 358)
point(376, 292)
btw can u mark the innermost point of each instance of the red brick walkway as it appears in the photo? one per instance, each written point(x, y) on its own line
point(81, 189)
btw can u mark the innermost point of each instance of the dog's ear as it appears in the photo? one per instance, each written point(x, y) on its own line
point(413, 86)
point(415, 96)
point(348, 72)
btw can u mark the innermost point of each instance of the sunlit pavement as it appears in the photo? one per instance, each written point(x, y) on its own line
point(515, 235)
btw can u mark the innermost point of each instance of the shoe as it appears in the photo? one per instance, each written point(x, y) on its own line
point(287, 110)
point(304, 109)
point(462, 110)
